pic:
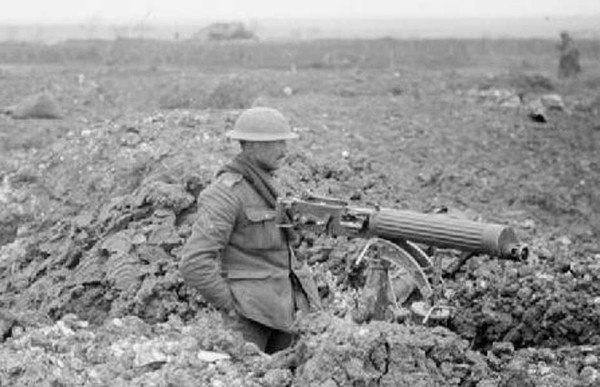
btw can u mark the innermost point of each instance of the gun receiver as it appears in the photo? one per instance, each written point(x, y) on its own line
point(399, 230)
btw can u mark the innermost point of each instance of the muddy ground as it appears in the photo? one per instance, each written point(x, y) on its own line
point(96, 205)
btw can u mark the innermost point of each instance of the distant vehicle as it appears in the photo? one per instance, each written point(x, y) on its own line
point(225, 31)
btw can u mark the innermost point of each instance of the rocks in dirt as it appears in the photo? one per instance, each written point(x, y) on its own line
point(162, 195)
point(13, 324)
point(517, 378)
point(42, 105)
point(545, 303)
point(150, 354)
point(539, 108)
point(553, 102)
point(123, 271)
point(7, 322)
point(9, 226)
point(277, 377)
point(155, 197)
point(503, 349)
point(119, 261)
point(211, 357)
point(287, 91)
point(119, 255)
point(590, 375)
point(14, 203)
point(549, 367)
point(501, 97)
point(537, 112)
point(383, 354)
point(130, 352)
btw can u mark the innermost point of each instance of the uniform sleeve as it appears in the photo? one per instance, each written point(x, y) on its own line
point(200, 265)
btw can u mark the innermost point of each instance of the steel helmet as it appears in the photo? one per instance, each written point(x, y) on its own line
point(261, 124)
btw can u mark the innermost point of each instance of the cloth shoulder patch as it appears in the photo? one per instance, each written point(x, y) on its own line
point(230, 179)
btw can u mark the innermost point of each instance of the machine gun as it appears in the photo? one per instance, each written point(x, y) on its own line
point(395, 236)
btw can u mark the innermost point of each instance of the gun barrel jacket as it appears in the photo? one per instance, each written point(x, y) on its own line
point(238, 258)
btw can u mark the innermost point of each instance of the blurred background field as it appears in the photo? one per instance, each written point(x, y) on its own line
point(387, 53)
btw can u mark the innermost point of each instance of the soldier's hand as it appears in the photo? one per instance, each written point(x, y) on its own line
point(229, 314)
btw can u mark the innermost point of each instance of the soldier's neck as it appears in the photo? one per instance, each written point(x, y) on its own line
point(255, 160)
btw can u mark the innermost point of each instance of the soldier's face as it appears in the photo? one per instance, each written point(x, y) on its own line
point(270, 154)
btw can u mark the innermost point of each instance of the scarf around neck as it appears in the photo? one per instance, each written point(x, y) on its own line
point(258, 178)
point(261, 181)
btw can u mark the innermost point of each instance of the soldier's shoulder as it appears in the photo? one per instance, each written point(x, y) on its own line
point(223, 190)
point(229, 179)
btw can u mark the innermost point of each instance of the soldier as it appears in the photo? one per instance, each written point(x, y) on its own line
point(237, 257)
point(568, 65)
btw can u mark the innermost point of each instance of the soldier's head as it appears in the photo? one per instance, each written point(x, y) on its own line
point(263, 133)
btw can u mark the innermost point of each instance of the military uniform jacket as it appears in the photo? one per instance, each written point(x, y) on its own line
point(238, 258)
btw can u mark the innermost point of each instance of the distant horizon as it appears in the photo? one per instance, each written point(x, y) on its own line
point(246, 20)
point(580, 26)
point(182, 11)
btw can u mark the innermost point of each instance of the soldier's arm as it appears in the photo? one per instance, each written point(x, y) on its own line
point(200, 265)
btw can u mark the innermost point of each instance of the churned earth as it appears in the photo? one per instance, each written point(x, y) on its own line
point(95, 207)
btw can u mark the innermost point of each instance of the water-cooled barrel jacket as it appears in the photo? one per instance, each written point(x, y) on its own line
point(238, 258)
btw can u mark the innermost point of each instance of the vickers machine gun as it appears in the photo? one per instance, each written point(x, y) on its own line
point(394, 239)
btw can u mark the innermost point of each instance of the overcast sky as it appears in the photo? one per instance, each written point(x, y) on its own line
point(40, 11)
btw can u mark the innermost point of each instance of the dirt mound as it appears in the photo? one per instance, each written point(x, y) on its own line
point(41, 105)
point(338, 352)
point(81, 253)
point(549, 303)
point(129, 352)
point(8, 227)
point(118, 262)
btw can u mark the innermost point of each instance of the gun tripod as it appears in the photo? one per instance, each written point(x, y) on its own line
point(396, 271)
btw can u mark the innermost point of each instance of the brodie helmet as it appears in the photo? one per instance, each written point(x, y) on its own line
point(261, 124)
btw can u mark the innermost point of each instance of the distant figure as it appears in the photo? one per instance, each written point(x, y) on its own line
point(568, 65)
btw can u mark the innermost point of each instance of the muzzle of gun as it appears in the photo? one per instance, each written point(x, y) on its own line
point(443, 231)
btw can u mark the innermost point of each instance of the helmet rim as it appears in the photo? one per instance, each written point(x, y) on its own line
point(261, 137)
point(262, 124)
